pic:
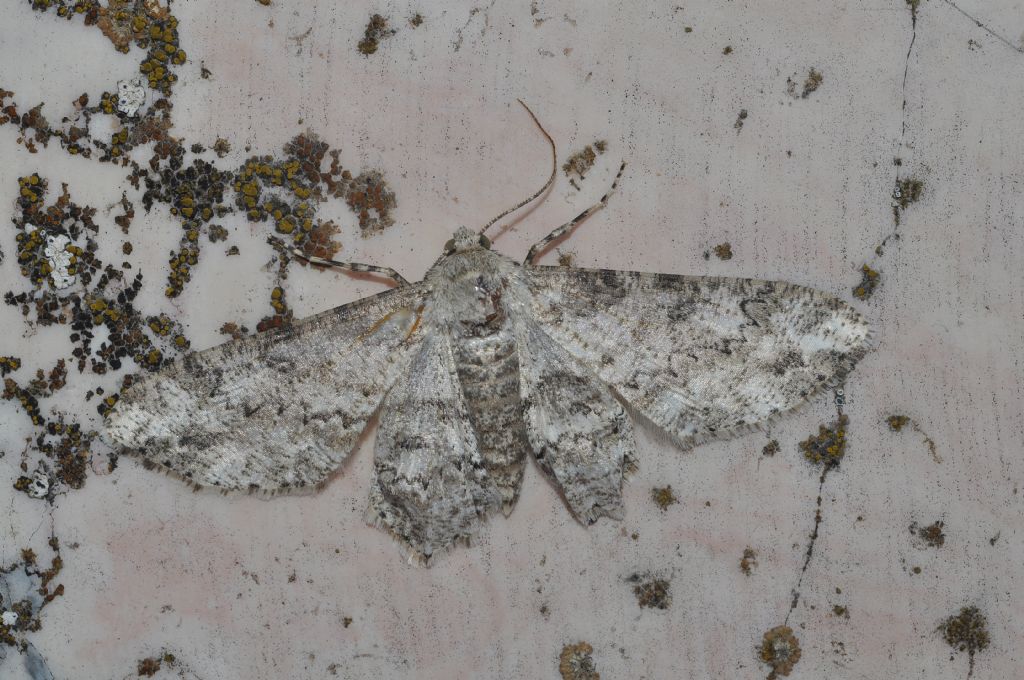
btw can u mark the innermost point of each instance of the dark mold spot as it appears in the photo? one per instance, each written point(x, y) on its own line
point(740, 118)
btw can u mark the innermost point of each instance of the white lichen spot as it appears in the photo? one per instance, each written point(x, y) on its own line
point(40, 485)
point(9, 618)
point(131, 95)
point(60, 260)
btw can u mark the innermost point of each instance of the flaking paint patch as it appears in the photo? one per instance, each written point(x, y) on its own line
point(131, 96)
point(60, 260)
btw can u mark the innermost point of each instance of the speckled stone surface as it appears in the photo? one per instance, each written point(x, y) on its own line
point(721, 149)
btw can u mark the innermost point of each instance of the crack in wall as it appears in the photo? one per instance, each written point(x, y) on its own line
point(982, 26)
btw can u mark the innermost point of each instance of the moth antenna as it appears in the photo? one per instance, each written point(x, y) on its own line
point(356, 267)
point(547, 185)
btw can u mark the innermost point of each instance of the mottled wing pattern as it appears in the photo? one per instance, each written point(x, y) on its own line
point(700, 357)
point(579, 432)
point(276, 411)
point(430, 485)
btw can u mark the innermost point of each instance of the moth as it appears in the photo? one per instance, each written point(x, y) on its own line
point(483, 364)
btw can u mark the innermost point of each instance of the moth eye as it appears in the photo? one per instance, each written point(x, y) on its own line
point(449, 247)
point(485, 242)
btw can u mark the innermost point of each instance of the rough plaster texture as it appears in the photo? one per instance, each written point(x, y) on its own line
point(802, 191)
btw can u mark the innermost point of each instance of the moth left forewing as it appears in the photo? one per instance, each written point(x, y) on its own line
point(700, 357)
point(278, 411)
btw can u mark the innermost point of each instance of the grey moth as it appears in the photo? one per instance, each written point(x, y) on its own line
point(483, 364)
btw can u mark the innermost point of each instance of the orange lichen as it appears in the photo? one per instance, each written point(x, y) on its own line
point(575, 662)
point(663, 497)
point(780, 649)
point(748, 561)
point(580, 162)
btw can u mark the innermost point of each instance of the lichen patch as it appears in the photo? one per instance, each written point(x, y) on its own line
point(575, 662)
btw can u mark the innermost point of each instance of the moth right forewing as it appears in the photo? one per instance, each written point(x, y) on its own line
point(277, 411)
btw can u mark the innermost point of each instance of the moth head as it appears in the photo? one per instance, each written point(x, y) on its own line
point(464, 240)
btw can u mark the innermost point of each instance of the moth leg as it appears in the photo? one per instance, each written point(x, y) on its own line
point(540, 246)
point(353, 267)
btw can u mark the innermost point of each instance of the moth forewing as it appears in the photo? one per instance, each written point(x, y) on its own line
point(275, 412)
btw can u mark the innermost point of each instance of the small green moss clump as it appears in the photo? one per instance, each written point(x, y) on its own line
point(221, 147)
point(780, 650)
point(827, 447)
point(868, 283)
point(812, 83)
point(663, 497)
point(966, 632)
point(376, 30)
point(908, 191)
point(897, 422)
point(723, 251)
